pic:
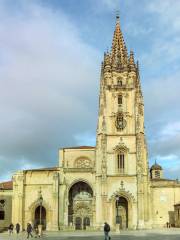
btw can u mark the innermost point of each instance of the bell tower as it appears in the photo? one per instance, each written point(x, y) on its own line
point(121, 151)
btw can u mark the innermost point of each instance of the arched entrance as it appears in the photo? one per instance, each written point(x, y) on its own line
point(78, 223)
point(86, 222)
point(37, 217)
point(122, 212)
point(80, 212)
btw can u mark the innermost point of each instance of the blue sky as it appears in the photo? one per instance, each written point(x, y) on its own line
point(50, 59)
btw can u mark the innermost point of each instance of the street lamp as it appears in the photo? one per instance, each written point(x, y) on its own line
point(40, 204)
point(117, 216)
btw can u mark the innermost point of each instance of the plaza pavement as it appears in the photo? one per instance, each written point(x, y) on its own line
point(163, 234)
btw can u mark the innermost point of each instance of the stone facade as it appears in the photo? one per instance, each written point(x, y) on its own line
point(111, 181)
point(6, 193)
point(177, 214)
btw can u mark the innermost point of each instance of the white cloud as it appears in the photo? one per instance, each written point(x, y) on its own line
point(171, 129)
point(46, 89)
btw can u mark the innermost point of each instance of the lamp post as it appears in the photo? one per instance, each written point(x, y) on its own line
point(117, 215)
point(40, 204)
point(40, 200)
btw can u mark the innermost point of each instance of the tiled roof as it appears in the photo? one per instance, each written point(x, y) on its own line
point(80, 147)
point(6, 185)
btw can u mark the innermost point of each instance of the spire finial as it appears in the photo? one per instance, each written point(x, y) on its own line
point(117, 16)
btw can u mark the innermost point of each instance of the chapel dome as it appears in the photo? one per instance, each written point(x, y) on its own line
point(156, 166)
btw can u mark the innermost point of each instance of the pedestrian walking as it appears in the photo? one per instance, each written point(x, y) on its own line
point(106, 231)
point(10, 229)
point(36, 231)
point(17, 228)
point(29, 230)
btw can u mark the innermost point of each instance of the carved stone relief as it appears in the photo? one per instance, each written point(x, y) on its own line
point(83, 163)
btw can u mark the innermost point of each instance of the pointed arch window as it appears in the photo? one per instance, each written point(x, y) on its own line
point(119, 81)
point(120, 162)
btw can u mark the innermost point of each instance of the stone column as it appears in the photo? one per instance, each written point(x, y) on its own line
point(55, 196)
point(18, 199)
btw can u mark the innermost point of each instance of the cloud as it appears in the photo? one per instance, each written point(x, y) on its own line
point(164, 147)
point(45, 88)
point(171, 130)
point(85, 139)
point(160, 59)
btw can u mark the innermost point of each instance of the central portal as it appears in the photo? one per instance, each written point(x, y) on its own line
point(80, 212)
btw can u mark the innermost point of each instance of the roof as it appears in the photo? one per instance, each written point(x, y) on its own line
point(163, 179)
point(80, 147)
point(156, 167)
point(6, 185)
point(43, 169)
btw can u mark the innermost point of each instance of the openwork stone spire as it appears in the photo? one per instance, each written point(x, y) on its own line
point(119, 56)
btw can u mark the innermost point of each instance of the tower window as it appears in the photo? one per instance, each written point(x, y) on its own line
point(157, 174)
point(120, 163)
point(119, 99)
point(119, 82)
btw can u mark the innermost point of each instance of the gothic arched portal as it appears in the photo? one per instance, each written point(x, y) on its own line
point(80, 212)
point(122, 212)
point(37, 217)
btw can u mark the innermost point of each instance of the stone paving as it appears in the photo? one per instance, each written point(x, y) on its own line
point(164, 234)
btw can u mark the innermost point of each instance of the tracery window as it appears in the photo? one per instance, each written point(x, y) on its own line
point(120, 162)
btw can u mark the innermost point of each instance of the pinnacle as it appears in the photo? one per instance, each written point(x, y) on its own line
point(131, 62)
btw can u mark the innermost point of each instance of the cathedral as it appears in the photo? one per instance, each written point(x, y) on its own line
point(110, 182)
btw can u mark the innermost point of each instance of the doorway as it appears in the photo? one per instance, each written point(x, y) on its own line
point(37, 217)
point(122, 212)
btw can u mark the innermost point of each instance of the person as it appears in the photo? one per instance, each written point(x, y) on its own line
point(10, 229)
point(36, 231)
point(29, 230)
point(106, 231)
point(17, 228)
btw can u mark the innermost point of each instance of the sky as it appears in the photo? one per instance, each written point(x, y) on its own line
point(50, 57)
